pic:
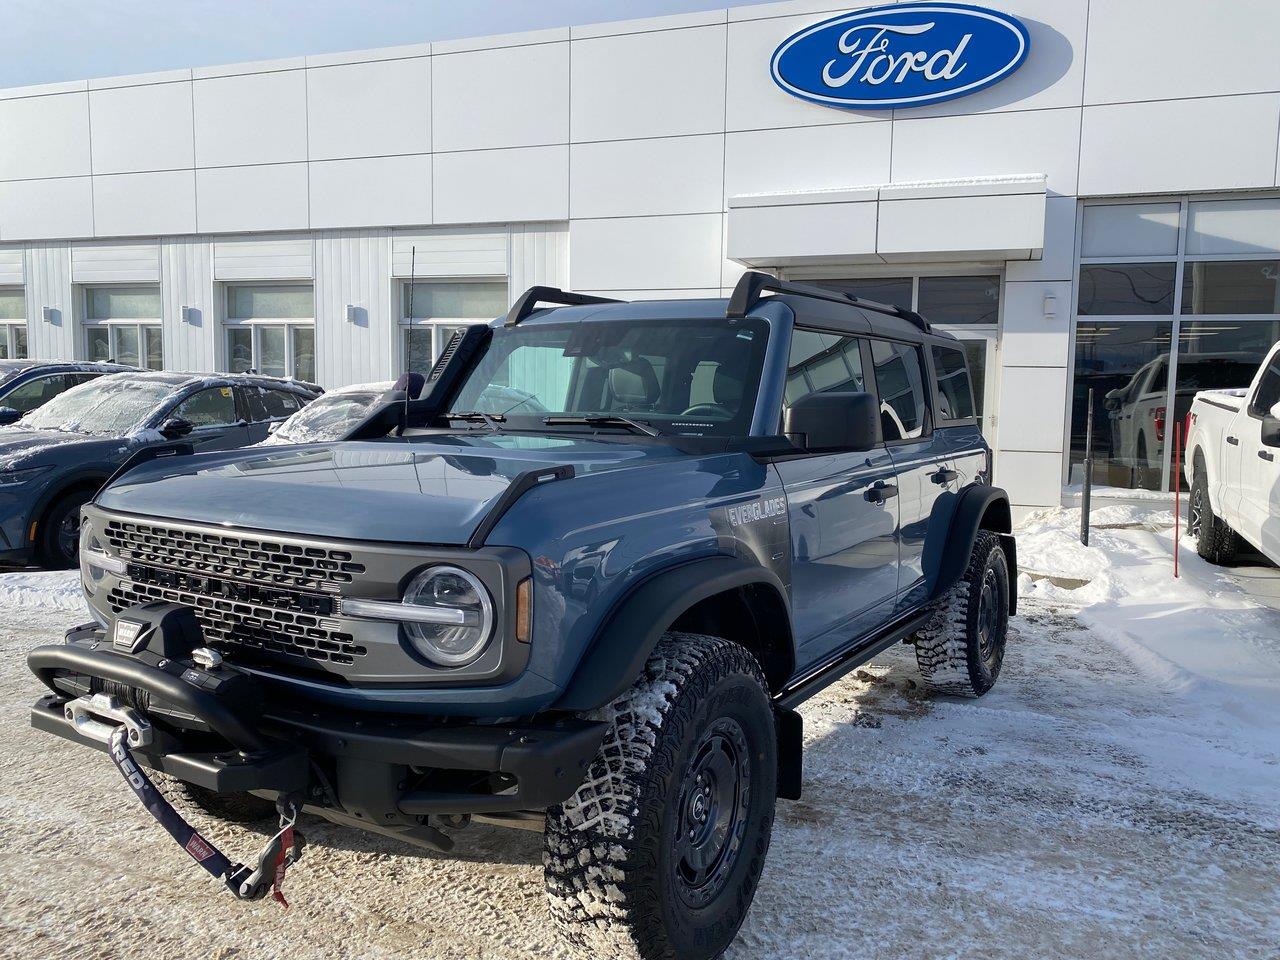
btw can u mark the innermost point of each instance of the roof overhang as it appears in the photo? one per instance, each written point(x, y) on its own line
point(977, 218)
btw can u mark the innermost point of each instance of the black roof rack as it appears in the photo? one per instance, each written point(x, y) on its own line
point(528, 301)
point(753, 283)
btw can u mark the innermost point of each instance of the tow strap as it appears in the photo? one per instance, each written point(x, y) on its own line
point(281, 852)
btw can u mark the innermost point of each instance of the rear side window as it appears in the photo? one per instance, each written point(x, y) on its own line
point(900, 383)
point(823, 363)
point(272, 404)
point(955, 394)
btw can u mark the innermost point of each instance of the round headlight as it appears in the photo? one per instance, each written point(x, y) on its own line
point(466, 615)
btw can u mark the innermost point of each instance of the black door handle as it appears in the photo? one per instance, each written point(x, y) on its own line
point(880, 491)
point(1266, 455)
point(1234, 441)
point(943, 476)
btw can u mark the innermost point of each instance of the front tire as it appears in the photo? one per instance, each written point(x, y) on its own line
point(960, 650)
point(1216, 542)
point(659, 851)
point(58, 533)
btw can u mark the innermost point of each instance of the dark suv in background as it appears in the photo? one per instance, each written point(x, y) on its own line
point(56, 456)
point(581, 584)
point(27, 384)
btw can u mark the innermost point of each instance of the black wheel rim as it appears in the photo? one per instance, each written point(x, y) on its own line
point(1197, 512)
point(989, 607)
point(69, 535)
point(712, 813)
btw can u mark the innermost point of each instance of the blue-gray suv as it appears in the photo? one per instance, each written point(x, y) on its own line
point(581, 584)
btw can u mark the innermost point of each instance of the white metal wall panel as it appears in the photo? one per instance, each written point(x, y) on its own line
point(187, 271)
point(49, 285)
point(352, 268)
point(137, 262)
point(539, 256)
point(259, 258)
point(55, 209)
point(12, 268)
point(452, 252)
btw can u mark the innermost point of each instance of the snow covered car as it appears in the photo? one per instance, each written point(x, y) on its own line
point(55, 458)
point(27, 384)
point(581, 585)
point(330, 416)
point(1233, 466)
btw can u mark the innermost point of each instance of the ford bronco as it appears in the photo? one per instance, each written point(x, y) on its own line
point(581, 584)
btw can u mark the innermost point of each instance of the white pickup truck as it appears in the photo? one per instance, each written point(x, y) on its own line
point(1233, 466)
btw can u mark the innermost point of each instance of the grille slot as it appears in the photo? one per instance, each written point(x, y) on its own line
point(249, 617)
point(258, 560)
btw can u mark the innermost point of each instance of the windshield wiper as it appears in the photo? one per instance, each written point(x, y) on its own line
point(490, 420)
point(603, 420)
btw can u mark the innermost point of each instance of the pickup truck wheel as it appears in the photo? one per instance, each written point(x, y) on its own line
point(961, 648)
point(658, 853)
point(1215, 540)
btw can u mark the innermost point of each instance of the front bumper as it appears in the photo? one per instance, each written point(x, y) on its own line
point(225, 731)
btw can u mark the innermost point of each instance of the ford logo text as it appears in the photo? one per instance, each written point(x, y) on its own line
point(906, 55)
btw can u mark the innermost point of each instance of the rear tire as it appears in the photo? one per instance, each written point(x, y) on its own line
point(658, 853)
point(961, 649)
point(58, 532)
point(1216, 542)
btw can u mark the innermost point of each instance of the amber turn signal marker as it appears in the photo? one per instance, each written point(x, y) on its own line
point(524, 610)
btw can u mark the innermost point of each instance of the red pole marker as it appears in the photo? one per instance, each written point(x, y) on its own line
point(1177, 492)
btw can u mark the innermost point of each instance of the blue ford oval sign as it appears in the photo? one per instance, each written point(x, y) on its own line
point(905, 55)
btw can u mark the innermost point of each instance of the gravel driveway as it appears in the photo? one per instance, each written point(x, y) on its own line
point(1037, 822)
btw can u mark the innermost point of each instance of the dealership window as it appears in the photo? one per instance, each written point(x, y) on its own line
point(122, 323)
point(966, 305)
point(1172, 297)
point(271, 329)
point(433, 311)
point(13, 323)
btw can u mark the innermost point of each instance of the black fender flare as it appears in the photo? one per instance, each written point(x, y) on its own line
point(977, 508)
point(85, 477)
point(625, 638)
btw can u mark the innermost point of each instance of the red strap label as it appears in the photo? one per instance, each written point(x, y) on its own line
point(282, 864)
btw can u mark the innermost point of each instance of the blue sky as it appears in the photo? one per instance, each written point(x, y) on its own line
point(52, 40)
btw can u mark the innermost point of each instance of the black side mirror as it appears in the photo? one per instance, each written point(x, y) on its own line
point(1270, 431)
point(175, 428)
point(9, 415)
point(831, 422)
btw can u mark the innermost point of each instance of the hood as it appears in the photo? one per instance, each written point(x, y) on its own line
point(21, 448)
point(430, 490)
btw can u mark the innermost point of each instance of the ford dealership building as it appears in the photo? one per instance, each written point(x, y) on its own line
point(1084, 191)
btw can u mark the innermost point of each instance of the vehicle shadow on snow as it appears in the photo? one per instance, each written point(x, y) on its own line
point(477, 843)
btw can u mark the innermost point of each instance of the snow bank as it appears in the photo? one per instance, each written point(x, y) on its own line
point(1199, 638)
point(57, 590)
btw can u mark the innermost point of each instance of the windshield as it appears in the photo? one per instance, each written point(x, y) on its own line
point(327, 418)
point(691, 377)
point(105, 406)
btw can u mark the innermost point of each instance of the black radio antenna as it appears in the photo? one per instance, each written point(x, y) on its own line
point(408, 359)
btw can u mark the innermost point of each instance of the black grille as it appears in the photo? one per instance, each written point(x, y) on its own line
point(232, 557)
point(247, 616)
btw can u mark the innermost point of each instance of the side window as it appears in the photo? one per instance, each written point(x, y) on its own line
point(279, 403)
point(900, 383)
point(34, 393)
point(1264, 401)
point(823, 363)
point(209, 408)
point(955, 396)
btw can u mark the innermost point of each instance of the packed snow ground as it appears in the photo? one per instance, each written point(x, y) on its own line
point(1114, 796)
